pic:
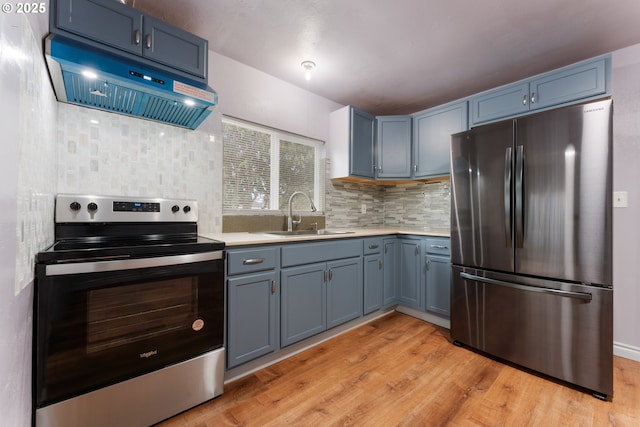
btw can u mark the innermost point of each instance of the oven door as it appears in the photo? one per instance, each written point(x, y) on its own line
point(98, 323)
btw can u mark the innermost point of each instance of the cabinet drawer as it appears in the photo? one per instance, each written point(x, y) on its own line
point(249, 260)
point(308, 253)
point(438, 245)
point(372, 245)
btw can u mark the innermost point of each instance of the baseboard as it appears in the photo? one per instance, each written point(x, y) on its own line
point(423, 315)
point(626, 351)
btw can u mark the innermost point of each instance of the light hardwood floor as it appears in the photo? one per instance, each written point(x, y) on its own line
point(399, 370)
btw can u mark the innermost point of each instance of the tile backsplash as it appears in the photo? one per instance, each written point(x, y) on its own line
point(110, 154)
point(413, 205)
point(37, 108)
point(418, 205)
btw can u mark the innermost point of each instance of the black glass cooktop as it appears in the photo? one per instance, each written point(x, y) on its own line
point(94, 248)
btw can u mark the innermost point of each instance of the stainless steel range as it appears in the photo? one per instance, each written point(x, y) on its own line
point(129, 313)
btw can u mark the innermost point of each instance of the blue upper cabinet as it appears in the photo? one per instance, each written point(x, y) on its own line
point(394, 147)
point(174, 47)
point(569, 84)
point(496, 104)
point(432, 131)
point(363, 143)
point(351, 147)
point(113, 26)
point(575, 83)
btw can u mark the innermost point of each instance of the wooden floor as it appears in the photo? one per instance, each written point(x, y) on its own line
point(399, 370)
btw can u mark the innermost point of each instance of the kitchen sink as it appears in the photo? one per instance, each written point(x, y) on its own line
point(323, 232)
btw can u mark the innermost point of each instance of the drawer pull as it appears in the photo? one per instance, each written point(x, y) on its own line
point(439, 247)
point(373, 246)
point(252, 261)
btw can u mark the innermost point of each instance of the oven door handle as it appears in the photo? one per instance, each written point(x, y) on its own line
point(130, 264)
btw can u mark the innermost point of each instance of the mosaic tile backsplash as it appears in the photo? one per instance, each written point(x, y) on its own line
point(37, 108)
point(110, 154)
point(411, 205)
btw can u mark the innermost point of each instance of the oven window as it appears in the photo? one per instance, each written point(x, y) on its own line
point(123, 315)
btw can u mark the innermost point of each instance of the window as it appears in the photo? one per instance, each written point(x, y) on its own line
point(263, 167)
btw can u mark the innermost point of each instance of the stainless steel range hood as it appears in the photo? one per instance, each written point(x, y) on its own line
point(87, 76)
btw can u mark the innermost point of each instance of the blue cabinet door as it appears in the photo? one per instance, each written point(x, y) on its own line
point(252, 321)
point(105, 21)
point(174, 47)
point(363, 153)
point(391, 274)
point(432, 131)
point(568, 84)
point(344, 291)
point(411, 283)
point(438, 284)
point(303, 302)
point(117, 26)
point(373, 282)
point(503, 102)
point(394, 147)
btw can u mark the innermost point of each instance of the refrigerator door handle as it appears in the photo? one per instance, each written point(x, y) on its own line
point(507, 197)
point(569, 294)
point(519, 193)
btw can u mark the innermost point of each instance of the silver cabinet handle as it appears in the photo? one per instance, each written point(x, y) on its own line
point(330, 274)
point(524, 100)
point(273, 287)
point(533, 97)
point(379, 264)
point(580, 295)
point(439, 247)
point(417, 249)
point(415, 168)
point(326, 276)
point(373, 246)
point(427, 262)
point(148, 41)
point(136, 37)
point(252, 261)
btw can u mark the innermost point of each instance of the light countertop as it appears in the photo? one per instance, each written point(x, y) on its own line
point(257, 238)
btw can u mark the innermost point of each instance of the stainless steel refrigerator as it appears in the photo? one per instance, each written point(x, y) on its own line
point(531, 226)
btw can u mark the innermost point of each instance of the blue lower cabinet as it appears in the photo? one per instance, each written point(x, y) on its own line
point(373, 282)
point(252, 317)
point(390, 271)
point(411, 273)
point(438, 284)
point(303, 302)
point(344, 291)
point(318, 297)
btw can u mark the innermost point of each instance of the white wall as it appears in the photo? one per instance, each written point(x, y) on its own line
point(27, 172)
point(626, 221)
point(249, 94)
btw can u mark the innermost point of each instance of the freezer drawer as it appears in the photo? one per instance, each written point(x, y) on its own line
point(559, 329)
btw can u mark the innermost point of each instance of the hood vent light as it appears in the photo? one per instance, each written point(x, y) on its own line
point(124, 87)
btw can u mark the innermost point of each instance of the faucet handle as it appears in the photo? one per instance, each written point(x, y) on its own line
point(295, 221)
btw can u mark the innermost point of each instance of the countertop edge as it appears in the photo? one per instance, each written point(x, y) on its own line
point(253, 238)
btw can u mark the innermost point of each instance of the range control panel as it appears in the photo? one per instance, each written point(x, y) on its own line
point(88, 208)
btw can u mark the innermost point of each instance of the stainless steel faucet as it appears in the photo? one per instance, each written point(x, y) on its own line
point(290, 221)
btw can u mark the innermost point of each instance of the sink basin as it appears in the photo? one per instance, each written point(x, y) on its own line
point(324, 232)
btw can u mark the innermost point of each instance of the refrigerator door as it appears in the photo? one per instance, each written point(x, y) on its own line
point(481, 197)
point(563, 194)
point(560, 329)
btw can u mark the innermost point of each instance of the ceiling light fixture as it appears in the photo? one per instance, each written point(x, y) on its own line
point(308, 66)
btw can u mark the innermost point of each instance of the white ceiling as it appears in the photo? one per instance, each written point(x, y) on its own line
point(401, 56)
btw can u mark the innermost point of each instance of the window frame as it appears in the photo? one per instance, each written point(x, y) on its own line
point(276, 136)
